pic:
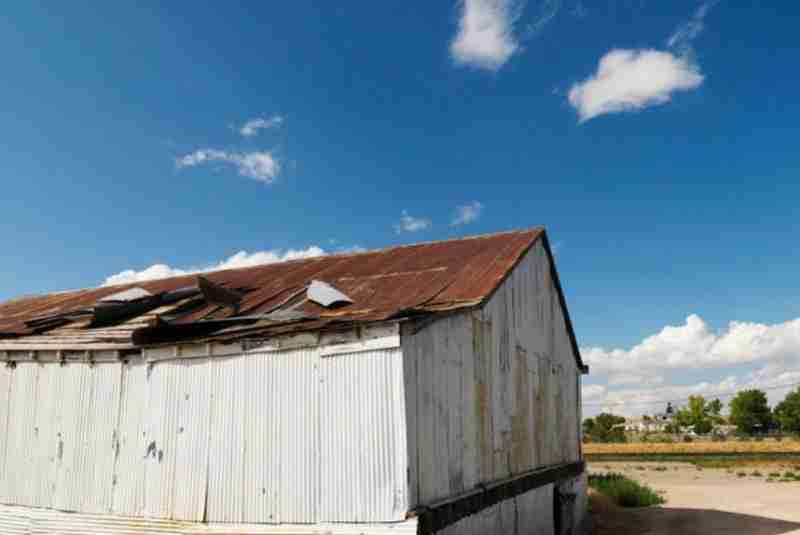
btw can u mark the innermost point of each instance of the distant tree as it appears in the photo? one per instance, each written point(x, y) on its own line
point(588, 426)
point(703, 427)
point(787, 412)
point(715, 407)
point(672, 427)
point(749, 411)
point(604, 427)
point(697, 415)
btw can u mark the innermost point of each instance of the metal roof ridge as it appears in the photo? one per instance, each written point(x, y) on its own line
point(538, 228)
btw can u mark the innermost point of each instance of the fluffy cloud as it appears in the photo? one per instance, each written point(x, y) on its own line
point(485, 37)
point(259, 165)
point(409, 223)
point(694, 345)
point(239, 260)
point(467, 213)
point(629, 80)
point(251, 127)
point(642, 373)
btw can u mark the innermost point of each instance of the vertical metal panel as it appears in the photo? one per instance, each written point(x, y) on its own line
point(129, 443)
point(228, 433)
point(176, 444)
point(265, 438)
point(20, 487)
point(6, 375)
point(362, 437)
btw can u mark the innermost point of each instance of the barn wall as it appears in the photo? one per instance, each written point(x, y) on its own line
point(493, 392)
point(293, 436)
point(522, 515)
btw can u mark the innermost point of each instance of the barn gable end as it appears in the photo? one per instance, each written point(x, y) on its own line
point(494, 394)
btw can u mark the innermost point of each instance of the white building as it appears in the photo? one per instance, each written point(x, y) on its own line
point(433, 388)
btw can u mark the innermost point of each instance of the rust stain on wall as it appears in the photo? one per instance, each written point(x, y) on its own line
point(481, 349)
point(521, 447)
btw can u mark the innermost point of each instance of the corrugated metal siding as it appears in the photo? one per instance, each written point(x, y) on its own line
point(271, 436)
point(531, 512)
point(175, 452)
point(495, 390)
point(128, 479)
point(363, 438)
point(20, 453)
point(59, 447)
point(5, 387)
point(264, 438)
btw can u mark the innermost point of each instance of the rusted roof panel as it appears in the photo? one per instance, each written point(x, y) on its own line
point(383, 284)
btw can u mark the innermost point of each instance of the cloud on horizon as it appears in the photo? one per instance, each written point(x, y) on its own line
point(638, 376)
point(238, 260)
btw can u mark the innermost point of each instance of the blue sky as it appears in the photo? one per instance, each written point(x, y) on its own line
point(657, 141)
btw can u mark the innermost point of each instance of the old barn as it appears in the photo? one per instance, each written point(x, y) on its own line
point(429, 388)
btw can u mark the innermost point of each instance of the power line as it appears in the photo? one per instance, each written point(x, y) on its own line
point(677, 401)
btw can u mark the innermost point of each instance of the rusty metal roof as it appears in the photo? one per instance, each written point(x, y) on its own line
point(384, 284)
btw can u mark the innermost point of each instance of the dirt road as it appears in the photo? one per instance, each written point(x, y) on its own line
point(709, 501)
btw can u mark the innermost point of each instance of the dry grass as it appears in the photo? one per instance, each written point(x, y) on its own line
point(689, 448)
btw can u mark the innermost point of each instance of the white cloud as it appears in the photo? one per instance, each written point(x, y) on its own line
point(688, 31)
point(259, 165)
point(239, 260)
point(628, 80)
point(467, 213)
point(251, 127)
point(485, 37)
point(693, 348)
point(409, 223)
point(694, 345)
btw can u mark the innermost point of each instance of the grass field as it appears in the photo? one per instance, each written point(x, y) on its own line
point(700, 454)
point(694, 448)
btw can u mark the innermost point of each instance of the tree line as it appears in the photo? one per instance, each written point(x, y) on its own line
point(749, 412)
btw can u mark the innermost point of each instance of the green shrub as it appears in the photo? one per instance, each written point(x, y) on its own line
point(624, 491)
point(756, 473)
point(741, 474)
point(775, 474)
point(789, 475)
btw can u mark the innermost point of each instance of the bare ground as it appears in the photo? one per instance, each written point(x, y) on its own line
point(702, 501)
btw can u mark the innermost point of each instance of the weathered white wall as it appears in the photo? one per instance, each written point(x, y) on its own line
point(527, 514)
point(493, 392)
point(273, 436)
